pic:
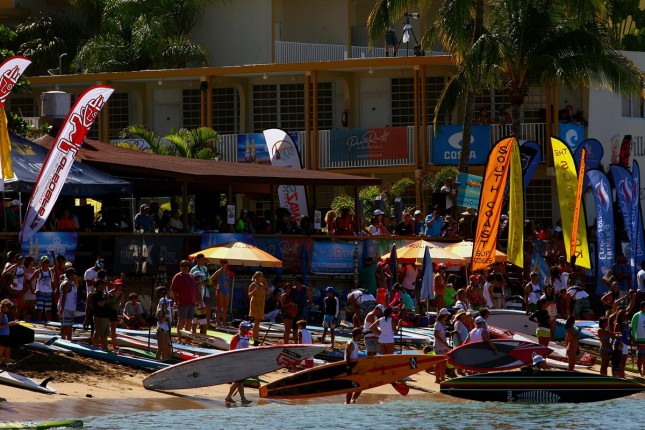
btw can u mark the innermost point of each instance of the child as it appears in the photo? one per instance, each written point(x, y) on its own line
point(331, 310)
point(5, 349)
point(616, 357)
point(305, 338)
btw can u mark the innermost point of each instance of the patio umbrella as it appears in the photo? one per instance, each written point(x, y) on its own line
point(464, 249)
point(239, 254)
point(414, 253)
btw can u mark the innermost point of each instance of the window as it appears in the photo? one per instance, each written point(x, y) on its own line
point(291, 106)
point(633, 107)
point(434, 87)
point(226, 110)
point(191, 108)
point(265, 107)
point(325, 106)
point(539, 201)
point(402, 92)
point(23, 106)
point(119, 117)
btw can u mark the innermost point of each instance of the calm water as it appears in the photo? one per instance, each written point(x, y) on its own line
point(619, 414)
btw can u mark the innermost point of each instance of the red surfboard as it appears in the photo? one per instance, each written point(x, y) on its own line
point(511, 354)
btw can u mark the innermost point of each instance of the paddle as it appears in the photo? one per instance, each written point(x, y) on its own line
point(267, 332)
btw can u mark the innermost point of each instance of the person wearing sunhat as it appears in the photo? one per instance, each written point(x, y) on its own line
point(351, 355)
point(239, 341)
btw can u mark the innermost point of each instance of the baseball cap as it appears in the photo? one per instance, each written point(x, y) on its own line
point(44, 258)
point(380, 307)
point(68, 264)
point(480, 320)
point(473, 278)
point(118, 282)
point(442, 266)
point(378, 212)
point(16, 202)
point(330, 289)
point(417, 212)
point(246, 324)
point(145, 206)
point(534, 273)
point(444, 311)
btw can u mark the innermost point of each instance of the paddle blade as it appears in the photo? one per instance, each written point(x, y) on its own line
point(401, 388)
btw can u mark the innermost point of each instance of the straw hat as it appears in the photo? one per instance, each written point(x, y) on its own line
point(469, 212)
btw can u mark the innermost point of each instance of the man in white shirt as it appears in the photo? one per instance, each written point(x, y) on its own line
point(90, 277)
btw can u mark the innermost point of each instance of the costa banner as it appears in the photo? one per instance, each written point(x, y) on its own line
point(572, 134)
point(530, 157)
point(10, 71)
point(490, 204)
point(61, 157)
point(638, 246)
point(567, 181)
point(515, 248)
point(604, 226)
point(470, 190)
point(334, 257)
point(446, 145)
point(42, 243)
point(593, 157)
point(361, 144)
point(284, 153)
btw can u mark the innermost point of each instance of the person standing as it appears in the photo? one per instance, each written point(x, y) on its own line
point(543, 319)
point(184, 290)
point(640, 283)
point(90, 276)
point(440, 286)
point(571, 340)
point(223, 279)
point(164, 322)
point(372, 335)
point(289, 310)
point(67, 303)
point(441, 345)
point(302, 296)
point(101, 310)
point(116, 301)
point(5, 324)
point(331, 310)
point(638, 334)
point(351, 356)
point(43, 279)
point(239, 341)
point(386, 327)
point(532, 293)
point(257, 294)
point(202, 268)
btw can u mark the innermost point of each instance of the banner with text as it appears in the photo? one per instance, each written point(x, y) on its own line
point(446, 145)
point(252, 148)
point(141, 254)
point(603, 201)
point(515, 250)
point(42, 243)
point(334, 257)
point(389, 143)
point(470, 189)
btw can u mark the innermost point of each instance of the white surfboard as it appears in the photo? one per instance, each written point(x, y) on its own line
point(20, 381)
point(229, 366)
point(212, 341)
point(515, 321)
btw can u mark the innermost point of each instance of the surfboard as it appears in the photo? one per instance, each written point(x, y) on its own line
point(90, 351)
point(511, 354)
point(229, 366)
point(212, 341)
point(41, 425)
point(20, 381)
point(515, 321)
point(137, 342)
point(20, 335)
point(333, 378)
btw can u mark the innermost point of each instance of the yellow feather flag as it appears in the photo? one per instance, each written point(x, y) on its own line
point(515, 249)
point(5, 148)
point(490, 204)
point(567, 181)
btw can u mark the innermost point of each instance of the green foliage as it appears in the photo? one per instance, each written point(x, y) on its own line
point(203, 143)
point(369, 196)
point(399, 187)
point(441, 176)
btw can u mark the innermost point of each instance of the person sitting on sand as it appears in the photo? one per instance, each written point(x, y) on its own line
point(239, 341)
point(133, 312)
point(305, 338)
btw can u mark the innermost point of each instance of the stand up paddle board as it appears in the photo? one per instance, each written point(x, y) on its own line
point(90, 351)
point(510, 354)
point(229, 366)
point(334, 378)
point(41, 425)
point(20, 335)
point(20, 381)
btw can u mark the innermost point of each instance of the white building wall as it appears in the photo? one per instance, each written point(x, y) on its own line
point(607, 124)
point(236, 32)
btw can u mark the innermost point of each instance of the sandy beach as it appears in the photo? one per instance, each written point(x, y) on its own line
point(88, 387)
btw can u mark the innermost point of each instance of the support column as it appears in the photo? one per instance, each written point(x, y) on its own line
point(417, 152)
point(314, 128)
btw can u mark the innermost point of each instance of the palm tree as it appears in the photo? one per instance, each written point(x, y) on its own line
point(202, 143)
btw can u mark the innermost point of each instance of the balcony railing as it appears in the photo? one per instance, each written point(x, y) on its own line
point(297, 52)
point(530, 131)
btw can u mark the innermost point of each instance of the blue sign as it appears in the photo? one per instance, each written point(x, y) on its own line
point(446, 145)
point(42, 243)
point(571, 133)
point(334, 257)
point(470, 190)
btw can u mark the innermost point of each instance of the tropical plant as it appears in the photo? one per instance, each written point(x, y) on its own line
point(628, 24)
point(144, 34)
point(203, 143)
point(369, 196)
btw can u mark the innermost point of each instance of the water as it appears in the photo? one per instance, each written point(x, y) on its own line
point(619, 413)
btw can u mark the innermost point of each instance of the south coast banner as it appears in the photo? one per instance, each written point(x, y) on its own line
point(61, 157)
point(567, 181)
point(515, 249)
point(10, 71)
point(490, 204)
point(284, 153)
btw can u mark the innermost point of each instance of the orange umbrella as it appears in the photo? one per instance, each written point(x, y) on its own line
point(239, 254)
point(413, 253)
point(464, 249)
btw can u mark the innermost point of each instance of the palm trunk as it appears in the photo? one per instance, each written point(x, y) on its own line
point(516, 124)
point(464, 157)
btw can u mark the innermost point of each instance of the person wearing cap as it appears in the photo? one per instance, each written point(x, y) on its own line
point(433, 223)
point(331, 311)
point(375, 228)
point(405, 227)
point(638, 334)
point(539, 363)
point(163, 315)
point(116, 301)
point(133, 312)
point(378, 219)
point(12, 215)
point(142, 220)
point(419, 226)
point(202, 268)
point(480, 334)
point(184, 290)
point(43, 279)
point(532, 293)
point(258, 291)
point(67, 303)
point(351, 355)
point(239, 341)
point(440, 285)
point(90, 277)
point(441, 345)
point(372, 335)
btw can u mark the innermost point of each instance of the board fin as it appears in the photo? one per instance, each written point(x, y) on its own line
point(401, 388)
point(46, 381)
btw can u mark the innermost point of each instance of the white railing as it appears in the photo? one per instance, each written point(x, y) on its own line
point(296, 52)
point(535, 131)
point(325, 156)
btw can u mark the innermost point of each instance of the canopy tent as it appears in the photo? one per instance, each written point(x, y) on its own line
point(27, 159)
point(414, 253)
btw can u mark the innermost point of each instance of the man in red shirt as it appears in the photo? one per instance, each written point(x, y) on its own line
point(184, 290)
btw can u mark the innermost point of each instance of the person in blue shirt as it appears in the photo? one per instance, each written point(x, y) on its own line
point(434, 223)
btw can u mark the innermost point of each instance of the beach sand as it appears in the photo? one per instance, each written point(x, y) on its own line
point(88, 387)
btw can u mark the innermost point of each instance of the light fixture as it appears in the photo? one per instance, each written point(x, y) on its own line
point(265, 77)
point(160, 82)
point(370, 71)
point(293, 78)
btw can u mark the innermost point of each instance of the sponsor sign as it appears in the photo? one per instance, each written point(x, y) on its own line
point(447, 143)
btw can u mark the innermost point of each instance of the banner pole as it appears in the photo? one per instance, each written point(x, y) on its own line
point(576, 211)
